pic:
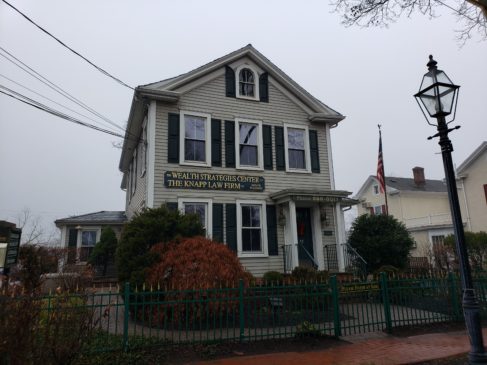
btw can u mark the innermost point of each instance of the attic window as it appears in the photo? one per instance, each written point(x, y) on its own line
point(247, 85)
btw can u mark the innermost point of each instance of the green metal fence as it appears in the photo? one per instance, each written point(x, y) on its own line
point(126, 318)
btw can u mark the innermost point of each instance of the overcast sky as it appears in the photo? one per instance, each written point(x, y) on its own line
point(57, 169)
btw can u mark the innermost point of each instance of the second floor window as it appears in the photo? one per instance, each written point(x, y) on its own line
point(248, 144)
point(296, 148)
point(194, 143)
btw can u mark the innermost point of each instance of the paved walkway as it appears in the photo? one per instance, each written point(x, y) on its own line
point(386, 350)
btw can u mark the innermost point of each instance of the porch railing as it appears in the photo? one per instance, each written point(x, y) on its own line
point(354, 263)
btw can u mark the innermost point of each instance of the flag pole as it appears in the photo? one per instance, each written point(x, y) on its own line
point(380, 171)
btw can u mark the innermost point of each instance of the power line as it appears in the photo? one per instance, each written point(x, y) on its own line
point(53, 86)
point(40, 106)
point(66, 46)
point(45, 97)
point(452, 8)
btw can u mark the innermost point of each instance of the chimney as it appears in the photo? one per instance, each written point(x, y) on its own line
point(418, 173)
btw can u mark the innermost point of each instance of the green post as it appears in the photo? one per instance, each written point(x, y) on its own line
point(385, 300)
point(454, 296)
point(336, 306)
point(241, 313)
point(126, 316)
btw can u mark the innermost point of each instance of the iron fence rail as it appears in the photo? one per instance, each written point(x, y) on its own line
point(250, 313)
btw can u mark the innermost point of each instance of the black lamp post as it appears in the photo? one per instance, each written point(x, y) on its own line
point(438, 96)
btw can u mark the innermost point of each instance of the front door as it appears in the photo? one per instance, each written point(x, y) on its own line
point(305, 237)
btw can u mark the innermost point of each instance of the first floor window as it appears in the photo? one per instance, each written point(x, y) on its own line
point(88, 241)
point(251, 236)
point(200, 207)
point(378, 210)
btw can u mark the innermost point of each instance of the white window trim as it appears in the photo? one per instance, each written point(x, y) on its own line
point(209, 211)
point(260, 145)
point(256, 96)
point(263, 217)
point(307, 155)
point(207, 163)
point(378, 206)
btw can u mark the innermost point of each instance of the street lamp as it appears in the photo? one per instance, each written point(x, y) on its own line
point(438, 96)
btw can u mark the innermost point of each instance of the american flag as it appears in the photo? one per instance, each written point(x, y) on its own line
point(380, 167)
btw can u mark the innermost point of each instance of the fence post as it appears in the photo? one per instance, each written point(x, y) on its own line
point(241, 313)
point(336, 306)
point(385, 300)
point(454, 296)
point(126, 316)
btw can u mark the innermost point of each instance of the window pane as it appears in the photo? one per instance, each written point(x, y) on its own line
point(194, 150)
point(248, 133)
point(248, 155)
point(295, 138)
point(255, 216)
point(197, 208)
point(194, 127)
point(255, 240)
point(88, 238)
point(296, 159)
point(246, 240)
point(245, 216)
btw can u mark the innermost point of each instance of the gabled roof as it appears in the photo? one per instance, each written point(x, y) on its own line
point(472, 158)
point(102, 217)
point(394, 184)
point(167, 90)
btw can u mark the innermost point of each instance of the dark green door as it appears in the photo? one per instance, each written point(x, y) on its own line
point(305, 236)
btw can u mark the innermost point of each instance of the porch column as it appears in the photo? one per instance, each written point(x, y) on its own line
point(317, 238)
point(340, 236)
point(294, 234)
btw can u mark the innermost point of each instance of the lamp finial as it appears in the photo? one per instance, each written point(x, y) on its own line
point(432, 64)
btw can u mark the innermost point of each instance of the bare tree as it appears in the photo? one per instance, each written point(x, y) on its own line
point(34, 230)
point(472, 14)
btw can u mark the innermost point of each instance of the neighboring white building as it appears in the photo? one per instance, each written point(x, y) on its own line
point(249, 150)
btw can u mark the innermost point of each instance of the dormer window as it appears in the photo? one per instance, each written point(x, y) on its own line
point(246, 83)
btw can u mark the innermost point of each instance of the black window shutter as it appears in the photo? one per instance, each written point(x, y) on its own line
point(280, 155)
point(173, 138)
point(230, 81)
point(216, 142)
point(264, 87)
point(72, 244)
point(314, 152)
point(229, 143)
point(231, 222)
point(172, 206)
point(217, 222)
point(267, 137)
point(73, 238)
point(272, 230)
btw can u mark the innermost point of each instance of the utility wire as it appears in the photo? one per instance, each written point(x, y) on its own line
point(53, 86)
point(66, 46)
point(45, 97)
point(35, 104)
point(452, 8)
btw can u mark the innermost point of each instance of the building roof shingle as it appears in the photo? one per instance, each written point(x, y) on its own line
point(114, 217)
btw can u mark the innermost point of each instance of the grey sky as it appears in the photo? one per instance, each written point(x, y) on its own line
point(58, 169)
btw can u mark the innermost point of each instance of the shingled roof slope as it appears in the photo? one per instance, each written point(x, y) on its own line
point(407, 184)
point(114, 216)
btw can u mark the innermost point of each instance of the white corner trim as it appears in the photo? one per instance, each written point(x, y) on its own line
point(263, 223)
point(209, 211)
point(207, 162)
point(256, 96)
point(151, 153)
point(260, 145)
point(307, 157)
point(330, 157)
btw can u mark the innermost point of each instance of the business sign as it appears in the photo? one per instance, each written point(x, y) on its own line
point(359, 287)
point(317, 199)
point(209, 181)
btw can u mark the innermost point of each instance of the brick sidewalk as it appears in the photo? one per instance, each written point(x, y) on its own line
point(380, 351)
